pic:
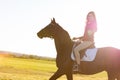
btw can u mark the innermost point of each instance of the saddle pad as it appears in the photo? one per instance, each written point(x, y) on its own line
point(90, 55)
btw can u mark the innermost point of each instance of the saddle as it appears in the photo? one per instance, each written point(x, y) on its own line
point(82, 52)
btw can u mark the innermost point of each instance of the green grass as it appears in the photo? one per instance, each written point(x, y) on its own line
point(31, 69)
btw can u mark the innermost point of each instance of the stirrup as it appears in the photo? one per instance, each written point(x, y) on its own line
point(76, 68)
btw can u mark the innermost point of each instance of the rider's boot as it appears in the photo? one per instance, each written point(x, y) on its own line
point(76, 68)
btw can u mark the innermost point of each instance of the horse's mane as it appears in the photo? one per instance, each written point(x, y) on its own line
point(63, 32)
point(64, 43)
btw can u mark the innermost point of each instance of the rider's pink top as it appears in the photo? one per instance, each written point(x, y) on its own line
point(92, 26)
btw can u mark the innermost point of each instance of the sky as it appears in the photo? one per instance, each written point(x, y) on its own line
point(20, 20)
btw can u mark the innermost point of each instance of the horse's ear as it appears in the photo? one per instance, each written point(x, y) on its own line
point(53, 21)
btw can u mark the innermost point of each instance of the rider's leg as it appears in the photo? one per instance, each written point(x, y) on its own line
point(80, 47)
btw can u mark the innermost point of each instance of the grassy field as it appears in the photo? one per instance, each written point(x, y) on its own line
point(31, 69)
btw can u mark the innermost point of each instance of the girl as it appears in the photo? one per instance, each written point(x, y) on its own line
point(88, 37)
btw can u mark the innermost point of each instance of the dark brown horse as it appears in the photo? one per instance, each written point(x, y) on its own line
point(107, 58)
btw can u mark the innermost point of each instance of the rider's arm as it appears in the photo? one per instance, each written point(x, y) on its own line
point(80, 38)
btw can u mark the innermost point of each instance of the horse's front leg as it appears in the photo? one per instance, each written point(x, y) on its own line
point(69, 75)
point(60, 72)
point(57, 74)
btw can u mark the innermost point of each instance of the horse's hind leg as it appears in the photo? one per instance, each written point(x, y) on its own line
point(111, 76)
point(118, 76)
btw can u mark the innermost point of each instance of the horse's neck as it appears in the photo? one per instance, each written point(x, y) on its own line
point(62, 44)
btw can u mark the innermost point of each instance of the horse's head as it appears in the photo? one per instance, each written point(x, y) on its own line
point(50, 30)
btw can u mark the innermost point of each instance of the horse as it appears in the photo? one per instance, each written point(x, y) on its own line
point(107, 58)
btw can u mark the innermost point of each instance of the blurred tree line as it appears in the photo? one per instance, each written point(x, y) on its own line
point(25, 56)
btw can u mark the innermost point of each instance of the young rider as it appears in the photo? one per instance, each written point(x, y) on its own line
point(88, 37)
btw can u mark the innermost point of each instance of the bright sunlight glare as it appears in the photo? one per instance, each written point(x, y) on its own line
point(20, 20)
